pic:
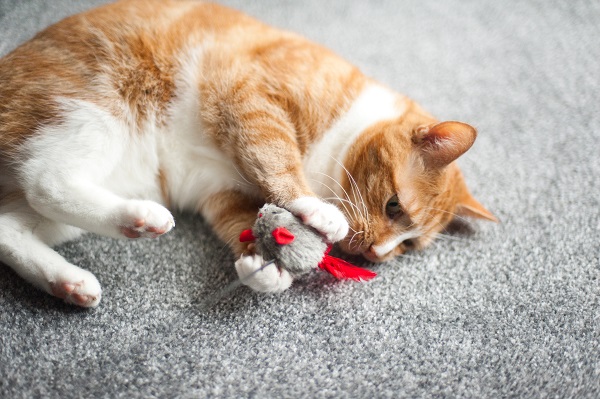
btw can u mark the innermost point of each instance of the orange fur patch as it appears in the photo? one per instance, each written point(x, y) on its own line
point(230, 212)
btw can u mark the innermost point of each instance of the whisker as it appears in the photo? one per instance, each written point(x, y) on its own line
point(336, 182)
point(343, 189)
point(354, 185)
point(239, 182)
point(342, 200)
point(337, 197)
point(241, 175)
point(354, 231)
point(352, 239)
point(439, 235)
point(436, 222)
point(356, 193)
point(443, 236)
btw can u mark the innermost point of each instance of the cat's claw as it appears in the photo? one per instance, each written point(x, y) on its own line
point(270, 279)
point(326, 218)
point(85, 293)
point(146, 219)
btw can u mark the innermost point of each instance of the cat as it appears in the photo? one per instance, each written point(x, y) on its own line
point(111, 117)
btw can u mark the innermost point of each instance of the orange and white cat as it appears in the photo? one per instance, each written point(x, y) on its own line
point(110, 117)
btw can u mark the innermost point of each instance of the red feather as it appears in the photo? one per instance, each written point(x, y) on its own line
point(246, 236)
point(282, 236)
point(341, 269)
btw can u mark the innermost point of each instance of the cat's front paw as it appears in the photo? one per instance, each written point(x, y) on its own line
point(326, 218)
point(269, 279)
point(82, 289)
point(145, 219)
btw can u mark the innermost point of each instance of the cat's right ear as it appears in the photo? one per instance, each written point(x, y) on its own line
point(442, 143)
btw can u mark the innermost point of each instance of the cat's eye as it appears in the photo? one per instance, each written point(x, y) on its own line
point(409, 244)
point(393, 208)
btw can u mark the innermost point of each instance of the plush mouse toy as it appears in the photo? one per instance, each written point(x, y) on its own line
point(281, 237)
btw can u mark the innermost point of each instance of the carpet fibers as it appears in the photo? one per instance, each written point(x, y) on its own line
point(490, 311)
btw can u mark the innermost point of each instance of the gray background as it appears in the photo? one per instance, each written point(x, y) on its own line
point(509, 310)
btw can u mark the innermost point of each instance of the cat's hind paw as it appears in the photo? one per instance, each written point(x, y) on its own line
point(145, 219)
point(326, 218)
point(86, 292)
point(269, 279)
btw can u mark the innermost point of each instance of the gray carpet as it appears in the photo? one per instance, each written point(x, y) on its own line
point(509, 310)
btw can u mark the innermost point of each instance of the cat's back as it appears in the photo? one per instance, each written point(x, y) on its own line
point(121, 57)
point(147, 65)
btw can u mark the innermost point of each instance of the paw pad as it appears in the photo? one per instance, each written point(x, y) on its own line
point(146, 219)
point(79, 293)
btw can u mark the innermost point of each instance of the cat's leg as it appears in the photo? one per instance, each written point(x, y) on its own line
point(74, 170)
point(324, 217)
point(268, 153)
point(90, 207)
point(230, 212)
point(25, 240)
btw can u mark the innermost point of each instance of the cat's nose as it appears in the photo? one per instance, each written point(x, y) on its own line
point(372, 254)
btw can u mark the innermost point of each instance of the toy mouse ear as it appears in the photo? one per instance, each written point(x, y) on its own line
point(282, 236)
point(247, 236)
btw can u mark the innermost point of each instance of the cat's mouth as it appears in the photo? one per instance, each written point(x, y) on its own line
point(381, 250)
point(383, 253)
point(373, 255)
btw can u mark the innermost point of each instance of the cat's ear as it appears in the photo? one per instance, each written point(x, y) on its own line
point(443, 142)
point(469, 206)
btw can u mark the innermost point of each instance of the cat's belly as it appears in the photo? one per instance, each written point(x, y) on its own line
point(194, 169)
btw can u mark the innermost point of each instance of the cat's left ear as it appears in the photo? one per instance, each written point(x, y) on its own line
point(443, 142)
point(469, 206)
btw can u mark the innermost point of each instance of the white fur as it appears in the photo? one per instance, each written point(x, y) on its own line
point(324, 217)
point(383, 249)
point(80, 175)
point(25, 240)
point(326, 156)
point(83, 171)
point(270, 279)
point(195, 167)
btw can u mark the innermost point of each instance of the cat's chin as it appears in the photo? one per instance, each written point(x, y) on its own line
point(369, 254)
point(372, 257)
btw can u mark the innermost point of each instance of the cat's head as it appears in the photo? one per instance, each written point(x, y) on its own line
point(403, 186)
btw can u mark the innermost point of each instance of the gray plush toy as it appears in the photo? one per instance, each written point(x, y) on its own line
point(281, 237)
